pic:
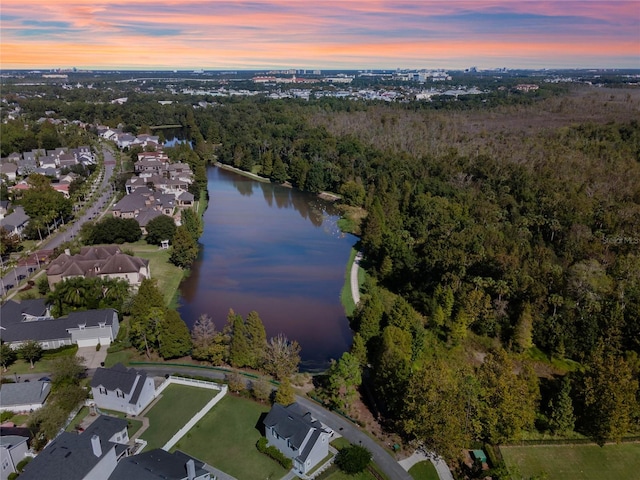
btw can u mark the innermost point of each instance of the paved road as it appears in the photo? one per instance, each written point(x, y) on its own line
point(355, 288)
point(13, 277)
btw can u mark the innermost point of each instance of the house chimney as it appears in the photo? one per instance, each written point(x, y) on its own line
point(191, 469)
point(96, 446)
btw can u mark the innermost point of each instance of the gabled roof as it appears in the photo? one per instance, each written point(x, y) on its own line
point(70, 456)
point(186, 197)
point(122, 263)
point(16, 219)
point(12, 312)
point(10, 441)
point(56, 328)
point(146, 215)
point(120, 378)
point(155, 465)
point(26, 393)
point(294, 424)
point(93, 261)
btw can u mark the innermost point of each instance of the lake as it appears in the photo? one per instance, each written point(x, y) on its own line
point(277, 251)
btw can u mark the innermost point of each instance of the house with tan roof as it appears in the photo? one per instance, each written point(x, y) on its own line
point(105, 262)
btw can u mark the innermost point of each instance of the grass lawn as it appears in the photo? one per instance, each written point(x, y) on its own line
point(43, 365)
point(226, 438)
point(176, 407)
point(424, 471)
point(579, 462)
point(166, 274)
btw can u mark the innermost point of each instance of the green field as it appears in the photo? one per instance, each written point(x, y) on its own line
point(226, 438)
point(574, 462)
point(177, 406)
point(424, 471)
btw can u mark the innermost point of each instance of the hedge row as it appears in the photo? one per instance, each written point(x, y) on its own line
point(274, 453)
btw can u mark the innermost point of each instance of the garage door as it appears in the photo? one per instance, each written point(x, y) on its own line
point(90, 342)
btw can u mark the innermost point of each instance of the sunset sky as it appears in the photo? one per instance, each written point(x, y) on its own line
point(323, 34)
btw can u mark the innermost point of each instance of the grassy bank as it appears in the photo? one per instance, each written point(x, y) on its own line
point(251, 175)
point(569, 462)
point(167, 275)
point(346, 295)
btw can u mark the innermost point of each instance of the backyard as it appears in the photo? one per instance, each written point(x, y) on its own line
point(424, 471)
point(177, 406)
point(574, 462)
point(226, 439)
point(165, 273)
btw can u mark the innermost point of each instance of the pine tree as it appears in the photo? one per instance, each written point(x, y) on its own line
point(239, 350)
point(256, 340)
point(562, 419)
point(173, 338)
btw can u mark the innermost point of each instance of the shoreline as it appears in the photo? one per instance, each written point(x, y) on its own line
point(244, 173)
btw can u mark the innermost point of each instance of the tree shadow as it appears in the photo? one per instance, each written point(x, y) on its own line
point(260, 423)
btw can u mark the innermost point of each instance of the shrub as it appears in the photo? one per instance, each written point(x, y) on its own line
point(12, 476)
point(23, 463)
point(4, 416)
point(353, 459)
point(98, 347)
point(274, 453)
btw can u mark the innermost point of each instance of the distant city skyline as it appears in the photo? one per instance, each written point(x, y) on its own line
point(353, 34)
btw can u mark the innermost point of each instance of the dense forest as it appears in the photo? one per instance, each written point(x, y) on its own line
point(501, 237)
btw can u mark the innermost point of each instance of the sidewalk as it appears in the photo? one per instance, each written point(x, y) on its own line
point(420, 456)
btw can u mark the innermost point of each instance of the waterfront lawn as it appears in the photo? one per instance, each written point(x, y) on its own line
point(226, 438)
point(424, 471)
point(164, 272)
point(177, 406)
point(573, 462)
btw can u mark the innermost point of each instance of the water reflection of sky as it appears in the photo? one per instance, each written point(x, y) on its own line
point(277, 251)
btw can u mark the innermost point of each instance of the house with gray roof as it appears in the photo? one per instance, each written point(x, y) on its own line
point(13, 449)
point(298, 435)
point(15, 312)
point(9, 169)
point(27, 165)
point(160, 465)
point(5, 206)
point(90, 455)
point(86, 328)
point(23, 397)
point(15, 222)
point(122, 389)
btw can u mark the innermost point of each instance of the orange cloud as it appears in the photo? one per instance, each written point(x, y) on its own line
point(357, 33)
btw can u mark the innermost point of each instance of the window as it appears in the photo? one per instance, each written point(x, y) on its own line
point(102, 390)
point(119, 394)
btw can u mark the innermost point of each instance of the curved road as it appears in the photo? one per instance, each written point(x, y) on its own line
point(355, 288)
point(13, 277)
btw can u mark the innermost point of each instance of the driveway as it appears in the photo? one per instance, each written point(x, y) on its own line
point(92, 358)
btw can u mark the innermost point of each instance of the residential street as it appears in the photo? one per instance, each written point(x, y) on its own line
point(26, 268)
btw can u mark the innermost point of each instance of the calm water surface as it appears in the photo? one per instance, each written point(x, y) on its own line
point(277, 251)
